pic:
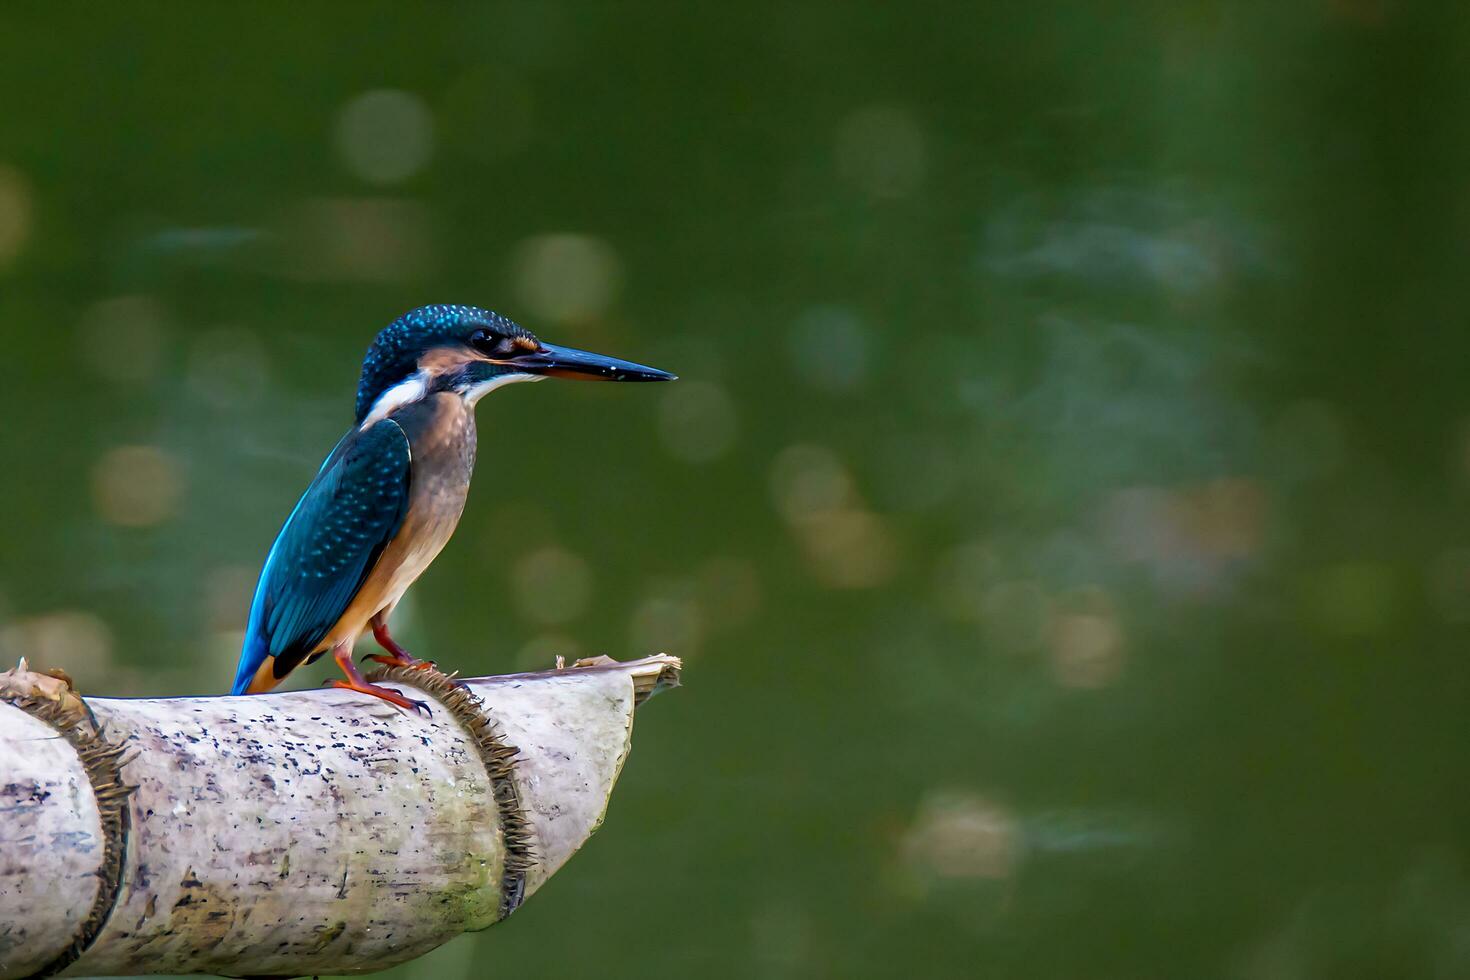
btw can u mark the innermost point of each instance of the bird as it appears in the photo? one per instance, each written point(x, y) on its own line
point(389, 496)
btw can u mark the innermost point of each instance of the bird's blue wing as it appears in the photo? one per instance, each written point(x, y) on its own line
point(326, 549)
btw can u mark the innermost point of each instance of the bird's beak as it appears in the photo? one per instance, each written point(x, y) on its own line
point(581, 365)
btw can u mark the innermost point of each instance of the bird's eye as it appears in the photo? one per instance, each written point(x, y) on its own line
point(491, 344)
point(494, 345)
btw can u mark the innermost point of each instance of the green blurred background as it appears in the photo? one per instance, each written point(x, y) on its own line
point(1062, 515)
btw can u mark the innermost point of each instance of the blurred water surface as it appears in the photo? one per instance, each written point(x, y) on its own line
point(1062, 515)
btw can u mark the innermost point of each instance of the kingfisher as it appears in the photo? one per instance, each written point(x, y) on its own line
point(390, 495)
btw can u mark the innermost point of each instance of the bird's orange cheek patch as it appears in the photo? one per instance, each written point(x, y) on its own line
point(445, 360)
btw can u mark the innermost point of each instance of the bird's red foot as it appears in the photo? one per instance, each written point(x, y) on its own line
point(396, 655)
point(356, 682)
point(387, 660)
point(392, 697)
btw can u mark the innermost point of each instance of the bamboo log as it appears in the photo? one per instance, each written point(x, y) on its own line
point(297, 833)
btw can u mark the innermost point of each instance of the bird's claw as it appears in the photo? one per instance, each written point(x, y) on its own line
point(385, 694)
point(387, 660)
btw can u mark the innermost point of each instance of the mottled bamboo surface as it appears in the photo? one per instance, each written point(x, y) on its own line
point(297, 833)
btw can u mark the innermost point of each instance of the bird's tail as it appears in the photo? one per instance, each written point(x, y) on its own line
point(253, 657)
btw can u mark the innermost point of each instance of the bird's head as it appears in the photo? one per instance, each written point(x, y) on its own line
point(470, 351)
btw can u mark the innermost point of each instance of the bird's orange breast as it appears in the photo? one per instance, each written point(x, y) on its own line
point(441, 436)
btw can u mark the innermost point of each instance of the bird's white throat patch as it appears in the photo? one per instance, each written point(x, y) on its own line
point(499, 381)
point(417, 387)
point(390, 401)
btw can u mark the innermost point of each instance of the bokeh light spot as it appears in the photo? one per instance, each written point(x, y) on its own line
point(958, 834)
point(809, 479)
point(15, 213)
point(1191, 536)
point(78, 642)
point(880, 149)
point(385, 136)
point(848, 549)
point(781, 939)
point(566, 278)
point(1085, 641)
point(668, 620)
point(137, 486)
point(846, 545)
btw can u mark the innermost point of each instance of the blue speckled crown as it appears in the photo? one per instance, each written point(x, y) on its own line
point(395, 353)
